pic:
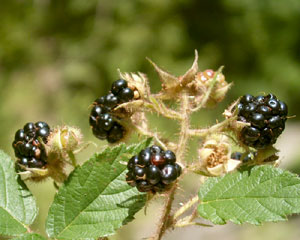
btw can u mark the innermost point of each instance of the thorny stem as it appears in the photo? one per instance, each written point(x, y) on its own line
point(215, 128)
point(185, 207)
point(185, 124)
point(185, 223)
point(161, 109)
point(164, 222)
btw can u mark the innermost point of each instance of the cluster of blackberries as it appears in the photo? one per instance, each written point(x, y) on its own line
point(153, 169)
point(103, 123)
point(267, 116)
point(28, 144)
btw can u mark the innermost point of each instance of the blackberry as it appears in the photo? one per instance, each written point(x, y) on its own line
point(28, 144)
point(153, 169)
point(104, 124)
point(266, 115)
point(144, 157)
point(169, 174)
point(125, 95)
point(111, 100)
point(118, 85)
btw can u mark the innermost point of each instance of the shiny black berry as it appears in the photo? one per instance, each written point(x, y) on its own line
point(29, 145)
point(111, 100)
point(283, 109)
point(118, 85)
point(153, 169)
point(258, 120)
point(125, 95)
point(41, 124)
point(132, 162)
point(103, 119)
point(259, 100)
point(169, 174)
point(20, 135)
point(97, 111)
point(29, 129)
point(153, 174)
point(24, 161)
point(247, 99)
point(144, 157)
point(100, 101)
point(139, 172)
point(156, 149)
point(274, 105)
point(43, 132)
point(169, 157)
point(266, 115)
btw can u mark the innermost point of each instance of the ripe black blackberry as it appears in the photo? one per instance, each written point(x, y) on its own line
point(28, 145)
point(104, 124)
point(153, 169)
point(267, 116)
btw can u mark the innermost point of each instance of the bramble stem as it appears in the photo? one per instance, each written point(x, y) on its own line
point(186, 224)
point(161, 109)
point(185, 207)
point(185, 125)
point(215, 128)
point(164, 221)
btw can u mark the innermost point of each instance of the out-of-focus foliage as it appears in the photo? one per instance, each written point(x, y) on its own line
point(57, 56)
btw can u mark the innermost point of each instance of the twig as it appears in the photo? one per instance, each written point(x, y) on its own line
point(185, 207)
point(164, 221)
point(185, 125)
point(161, 109)
point(215, 128)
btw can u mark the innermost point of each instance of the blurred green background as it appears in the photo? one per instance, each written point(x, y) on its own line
point(57, 56)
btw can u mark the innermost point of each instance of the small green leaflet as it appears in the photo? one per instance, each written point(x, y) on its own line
point(262, 194)
point(30, 236)
point(17, 205)
point(96, 200)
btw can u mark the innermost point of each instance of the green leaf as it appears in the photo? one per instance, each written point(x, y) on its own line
point(17, 205)
point(30, 236)
point(96, 200)
point(264, 193)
